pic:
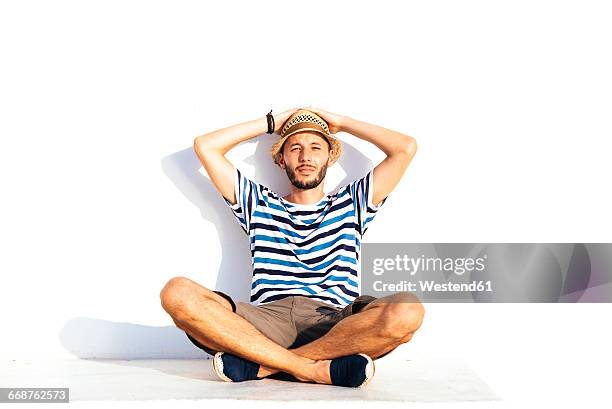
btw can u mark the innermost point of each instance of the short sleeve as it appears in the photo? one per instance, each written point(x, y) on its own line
point(362, 191)
point(247, 196)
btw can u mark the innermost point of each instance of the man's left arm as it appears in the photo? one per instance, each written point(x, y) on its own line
point(399, 148)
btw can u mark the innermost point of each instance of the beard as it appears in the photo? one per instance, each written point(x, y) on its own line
point(307, 184)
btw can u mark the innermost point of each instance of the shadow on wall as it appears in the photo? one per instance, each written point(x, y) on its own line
point(94, 338)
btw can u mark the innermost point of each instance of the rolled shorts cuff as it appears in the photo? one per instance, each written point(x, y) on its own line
point(228, 298)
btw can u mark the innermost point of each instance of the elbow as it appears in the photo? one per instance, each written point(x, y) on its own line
point(200, 144)
point(204, 146)
point(409, 147)
point(413, 146)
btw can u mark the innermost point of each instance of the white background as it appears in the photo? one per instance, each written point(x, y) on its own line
point(103, 199)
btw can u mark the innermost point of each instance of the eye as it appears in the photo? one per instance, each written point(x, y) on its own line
point(316, 148)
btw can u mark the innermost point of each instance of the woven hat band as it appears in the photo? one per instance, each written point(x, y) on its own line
point(304, 126)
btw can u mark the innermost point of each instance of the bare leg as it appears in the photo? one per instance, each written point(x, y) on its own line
point(206, 316)
point(378, 328)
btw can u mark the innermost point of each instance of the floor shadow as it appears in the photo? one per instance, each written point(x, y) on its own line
point(199, 369)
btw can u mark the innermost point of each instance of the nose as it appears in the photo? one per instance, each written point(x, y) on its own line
point(305, 156)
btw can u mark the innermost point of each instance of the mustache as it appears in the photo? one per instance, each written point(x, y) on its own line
point(295, 181)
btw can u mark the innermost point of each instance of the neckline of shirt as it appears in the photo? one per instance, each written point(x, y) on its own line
point(310, 206)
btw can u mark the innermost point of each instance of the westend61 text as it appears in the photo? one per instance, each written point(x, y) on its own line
point(432, 286)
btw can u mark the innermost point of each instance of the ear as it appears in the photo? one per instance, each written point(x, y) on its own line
point(281, 160)
point(332, 158)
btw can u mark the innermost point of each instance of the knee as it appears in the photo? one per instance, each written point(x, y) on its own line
point(401, 316)
point(175, 293)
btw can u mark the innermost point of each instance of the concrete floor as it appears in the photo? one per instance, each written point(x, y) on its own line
point(397, 379)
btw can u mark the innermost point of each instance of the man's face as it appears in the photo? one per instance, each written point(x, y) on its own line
point(305, 159)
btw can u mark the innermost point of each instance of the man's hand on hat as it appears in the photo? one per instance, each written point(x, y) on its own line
point(281, 118)
point(334, 121)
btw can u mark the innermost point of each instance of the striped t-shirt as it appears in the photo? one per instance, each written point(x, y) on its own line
point(305, 249)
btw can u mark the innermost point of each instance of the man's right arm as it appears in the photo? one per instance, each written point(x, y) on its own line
point(212, 147)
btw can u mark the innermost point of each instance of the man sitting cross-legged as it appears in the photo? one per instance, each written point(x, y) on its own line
point(305, 318)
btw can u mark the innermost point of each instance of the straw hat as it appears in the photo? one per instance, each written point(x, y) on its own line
point(304, 120)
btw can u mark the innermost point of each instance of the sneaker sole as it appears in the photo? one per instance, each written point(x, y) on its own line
point(370, 369)
point(218, 367)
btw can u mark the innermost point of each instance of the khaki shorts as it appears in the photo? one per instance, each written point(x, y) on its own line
point(294, 320)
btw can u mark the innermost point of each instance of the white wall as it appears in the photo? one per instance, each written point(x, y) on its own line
point(104, 199)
